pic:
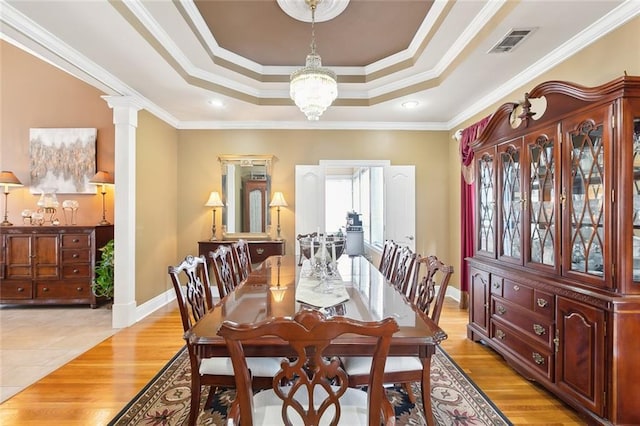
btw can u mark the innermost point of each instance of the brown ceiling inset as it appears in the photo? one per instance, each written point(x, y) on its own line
point(364, 33)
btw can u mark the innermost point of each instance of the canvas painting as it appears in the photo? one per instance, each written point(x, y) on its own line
point(62, 160)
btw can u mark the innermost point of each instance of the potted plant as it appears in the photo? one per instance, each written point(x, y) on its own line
point(103, 281)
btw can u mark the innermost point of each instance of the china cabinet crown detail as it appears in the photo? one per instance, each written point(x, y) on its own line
point(555, 279)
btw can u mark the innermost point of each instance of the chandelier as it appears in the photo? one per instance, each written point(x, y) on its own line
point(313, 88)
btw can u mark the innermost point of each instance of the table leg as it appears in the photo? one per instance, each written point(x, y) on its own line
point(426, 391)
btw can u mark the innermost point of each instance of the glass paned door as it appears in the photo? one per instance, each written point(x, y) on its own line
point(485, 232)
point(587, 198)
point(512, 202)
point(636, 200)
point(542, 198)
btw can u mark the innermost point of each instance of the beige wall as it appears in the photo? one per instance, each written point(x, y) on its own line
point(157, 205)
point(199, 170)
point(36, 94)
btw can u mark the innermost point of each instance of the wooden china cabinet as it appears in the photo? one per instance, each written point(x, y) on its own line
point(555, 279)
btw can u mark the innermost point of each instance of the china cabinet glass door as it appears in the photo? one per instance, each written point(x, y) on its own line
point(587, 187)
point(636, 200)
point(485, 215)
point(510, 235)
point(543, 212)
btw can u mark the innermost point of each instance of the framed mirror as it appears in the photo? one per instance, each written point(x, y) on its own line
point(246, 191)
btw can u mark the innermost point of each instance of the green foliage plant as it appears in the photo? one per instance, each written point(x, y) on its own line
point(103, 284)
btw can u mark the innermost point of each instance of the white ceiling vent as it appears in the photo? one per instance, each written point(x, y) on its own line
point(513, 38)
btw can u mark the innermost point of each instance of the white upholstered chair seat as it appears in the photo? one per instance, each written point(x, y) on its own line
point(260, 367)
point(359, 365)
point(353, 408)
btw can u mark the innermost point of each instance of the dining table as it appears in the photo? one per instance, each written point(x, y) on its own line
point(355, 288)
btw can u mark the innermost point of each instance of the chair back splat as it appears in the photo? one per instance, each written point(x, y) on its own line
point(242, 259)
point(223, 269)
point(310, 387)
point(388, 257)
point(437, 274)
point(194, 300)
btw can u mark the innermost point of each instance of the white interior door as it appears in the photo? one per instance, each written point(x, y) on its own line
point(310, 193)
point(400, 205)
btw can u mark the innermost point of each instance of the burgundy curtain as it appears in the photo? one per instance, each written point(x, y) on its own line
point(467, 204)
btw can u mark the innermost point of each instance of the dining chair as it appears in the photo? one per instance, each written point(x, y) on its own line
point(223, 269)
point(403, 269)
point(242, 259)
point(405, 370)
point(193, 292)
point(386, 261)
point(310, 388)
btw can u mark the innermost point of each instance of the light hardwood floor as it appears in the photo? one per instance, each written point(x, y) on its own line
point(93, 388)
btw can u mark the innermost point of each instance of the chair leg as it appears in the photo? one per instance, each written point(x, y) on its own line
point(425, 387)
point(409, 390)
point(212, 393)
point(194, 409)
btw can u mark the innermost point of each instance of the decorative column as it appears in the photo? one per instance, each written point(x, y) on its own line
point(125, 119)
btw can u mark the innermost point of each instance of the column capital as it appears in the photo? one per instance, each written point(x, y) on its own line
point(125, 109)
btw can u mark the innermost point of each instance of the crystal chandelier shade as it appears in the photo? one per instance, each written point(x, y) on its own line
point(313, 88)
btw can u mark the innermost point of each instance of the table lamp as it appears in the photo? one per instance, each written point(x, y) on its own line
point(103, 178)
point(214, 201)
point(278, 201)
point(7, 179)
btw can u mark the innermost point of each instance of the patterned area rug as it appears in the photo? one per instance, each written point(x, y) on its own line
point(455, 398)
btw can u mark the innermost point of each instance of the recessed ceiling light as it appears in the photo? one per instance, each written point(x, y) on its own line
point(410, 104)
point(215, 103)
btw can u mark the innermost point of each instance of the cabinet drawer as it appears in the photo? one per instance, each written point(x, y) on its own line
point(76, 256)
point(538, 328)
point(497, 283)
point(76, 271)
point(540, 360)
point(16, 290)
point(518, 293)
point(260, 251)
point(76, 241)
point(60, 290)
point(544, 304)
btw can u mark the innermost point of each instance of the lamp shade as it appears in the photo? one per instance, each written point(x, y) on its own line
point(278, 200)
point(102, 178)
point(9, 179)
point(214, 200)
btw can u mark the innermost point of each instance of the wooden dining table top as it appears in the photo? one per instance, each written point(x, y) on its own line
point(270, 291)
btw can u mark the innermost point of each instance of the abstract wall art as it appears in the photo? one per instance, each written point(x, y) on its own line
point(62, 160)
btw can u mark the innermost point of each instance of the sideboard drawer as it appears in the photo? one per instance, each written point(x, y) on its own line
point(259, 251)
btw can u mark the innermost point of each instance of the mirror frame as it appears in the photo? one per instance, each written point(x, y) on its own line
point(245, 161)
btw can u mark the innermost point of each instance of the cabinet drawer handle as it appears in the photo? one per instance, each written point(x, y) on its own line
point(259, 250)
point(516, 288)
point(537, 358)
point(542, 303)
point(75, 255)
point(75, 271)
point(501, 310)
point(539, 330)
point(79, 289)
point(496, 285)
point(20, 289)
point(45, 289)
point(500, 334)
point(75, 240)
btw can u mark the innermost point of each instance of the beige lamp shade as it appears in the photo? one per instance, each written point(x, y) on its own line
point(214, 200)
point(102, 178)
point(8, 179)
point(278, 200)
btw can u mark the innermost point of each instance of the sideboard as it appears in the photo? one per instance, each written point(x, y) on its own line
point(50, 264)
point(259, 250)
